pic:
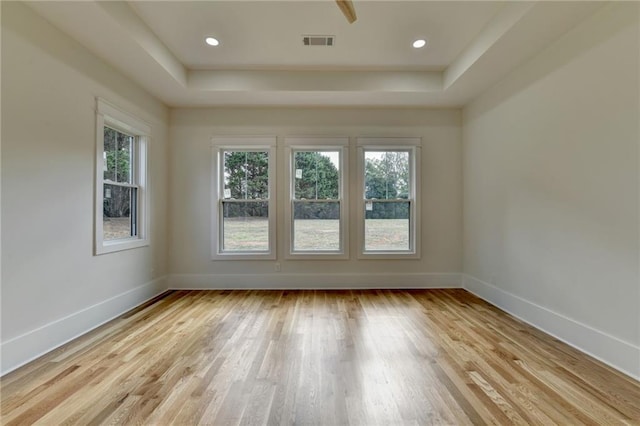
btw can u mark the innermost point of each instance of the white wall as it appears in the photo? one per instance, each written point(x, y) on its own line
point(551, 189)
point(53, 288)
point(191, 133)
point(551, 192)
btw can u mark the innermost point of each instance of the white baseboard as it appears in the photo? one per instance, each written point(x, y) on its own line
point(313, 281)
point(25, 348)
point(621, 355)
point(617, 353)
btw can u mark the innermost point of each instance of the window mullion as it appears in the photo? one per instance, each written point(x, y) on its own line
point(389, 186)
point(120, 184)
point(121, 199)
point(315, 212)
point(245, 224)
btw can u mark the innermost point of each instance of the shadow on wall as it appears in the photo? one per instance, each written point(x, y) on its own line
point(573, 44)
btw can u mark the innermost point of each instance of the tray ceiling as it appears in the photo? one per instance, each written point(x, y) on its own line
point(261, 59)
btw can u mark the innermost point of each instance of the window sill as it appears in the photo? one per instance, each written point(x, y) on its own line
point(243, 256)
point(317, 256)
point(120, 245)
point(388, 255)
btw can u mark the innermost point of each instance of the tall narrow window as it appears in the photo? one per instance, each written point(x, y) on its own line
point(121, 193)
point(316, 201)
point(120, 196)
point(316, 212)
point(389, 210)
point(244, 202)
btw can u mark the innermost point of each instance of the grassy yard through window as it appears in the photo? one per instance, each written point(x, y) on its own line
point(382, 234)
point(116, 228)
point(386, 234)
point(252, 234)
point(248, 233)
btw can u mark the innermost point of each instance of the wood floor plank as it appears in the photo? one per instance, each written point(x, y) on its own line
point(405, 357)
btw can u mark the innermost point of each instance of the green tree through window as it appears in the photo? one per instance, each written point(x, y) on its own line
point(247, 174)
point(117, 169)
point(316, 204)
point(245, 205)
point(320, 177)
point(387, 177)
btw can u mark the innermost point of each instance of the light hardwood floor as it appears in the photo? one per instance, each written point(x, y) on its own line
point(318, 357)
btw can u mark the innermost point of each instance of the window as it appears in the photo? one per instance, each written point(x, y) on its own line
point(121, 220)
point(244, 213)
point(389, 212)
point(315, 215)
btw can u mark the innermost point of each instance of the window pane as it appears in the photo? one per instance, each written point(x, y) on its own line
point(316, 175)
point(117, 156)
point(316, 225)
point(386, 175)
point(118, 209)
point(246, 175)
point(386, 226)
point(245, 226)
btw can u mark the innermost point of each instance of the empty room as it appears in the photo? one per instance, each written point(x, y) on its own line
point(320, 212)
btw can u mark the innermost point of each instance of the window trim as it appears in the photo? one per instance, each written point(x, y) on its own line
point(240, 143)
point(318, 143)
point(413, 145)
point(108, 115)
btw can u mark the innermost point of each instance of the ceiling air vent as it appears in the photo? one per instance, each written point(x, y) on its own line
point(317, 40)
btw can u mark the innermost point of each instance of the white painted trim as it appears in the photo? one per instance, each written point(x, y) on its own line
point(341, 146)
point(316, 141)
point(25, 348)
point(280, 281)
point(244, 141)
point(121, 120)
point(612, 351)
point(111, 116)
point(415, 199)
point(617, 353)
point(217, 190)
point(388, 141)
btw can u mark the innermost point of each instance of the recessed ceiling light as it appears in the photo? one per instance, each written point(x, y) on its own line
point(211, 41)
point(419, 43)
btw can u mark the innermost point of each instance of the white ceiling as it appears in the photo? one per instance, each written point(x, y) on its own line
point(269, 34)
point(262, 61)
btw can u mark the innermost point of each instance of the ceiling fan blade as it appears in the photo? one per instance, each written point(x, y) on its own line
point(346, 6)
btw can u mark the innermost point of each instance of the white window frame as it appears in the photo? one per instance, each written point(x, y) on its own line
point(110, 116)
point(412, 145)
point(295, 144)
point(240, 143)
